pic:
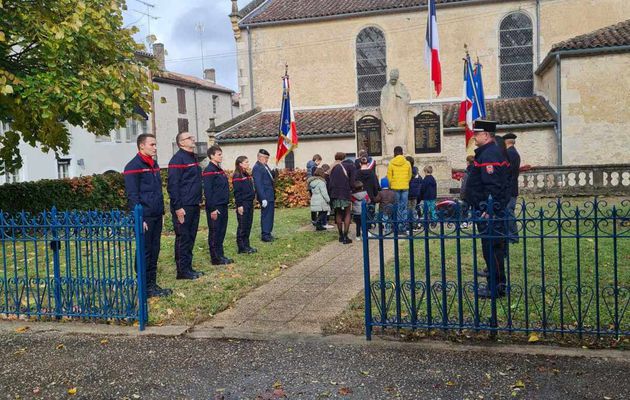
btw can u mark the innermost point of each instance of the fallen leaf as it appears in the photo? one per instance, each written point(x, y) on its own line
point(366, 373)
point(21, 351)
point(169, 311)
point(533, 338)
point(104, 341)
point(135, 396)
point(488, 376)
point(37, 390)
point(518, 385)
point(60, 346)
point(182, 295)
point(344, 391)
point(277, 385)
point(450, 383)
point(22, 329)
point(72, 391)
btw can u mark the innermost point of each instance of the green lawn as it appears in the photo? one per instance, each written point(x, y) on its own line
point(554, 259)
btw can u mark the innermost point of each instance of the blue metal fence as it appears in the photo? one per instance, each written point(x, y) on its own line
point(78, 264)
point(566, 268)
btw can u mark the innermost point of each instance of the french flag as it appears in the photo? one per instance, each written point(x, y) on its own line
point(288, 136)
point(473, 104)
point(432, 49)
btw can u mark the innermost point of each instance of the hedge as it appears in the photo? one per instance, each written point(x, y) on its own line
point(106, 192)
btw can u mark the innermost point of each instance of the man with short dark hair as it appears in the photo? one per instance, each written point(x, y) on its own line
point(265, 192)
point(488, 179)
point(217, 191)
point(143, 185)
point(184, 189)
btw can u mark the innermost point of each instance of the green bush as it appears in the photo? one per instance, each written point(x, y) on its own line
point(97, 192)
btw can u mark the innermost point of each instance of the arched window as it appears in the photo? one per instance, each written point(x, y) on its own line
point(371, 66)
point(516, 56)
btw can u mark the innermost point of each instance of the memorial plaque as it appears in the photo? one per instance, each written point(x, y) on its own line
point(369, 135)
point(427, 132)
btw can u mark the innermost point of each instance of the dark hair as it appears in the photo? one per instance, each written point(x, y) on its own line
point(317, 157)
point(143, 138)
point(237, 164)
point(214, 149)
point(398, 151)
point(358, 186)
point(363, 161)
point(319, 172)
point(325, 167)
point(340, 156)
point(411, 161)
point(470, 159)
point(178, 136)
point(501, 143)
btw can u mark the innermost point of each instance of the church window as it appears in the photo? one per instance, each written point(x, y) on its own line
point(371, 66)
point(516, 56)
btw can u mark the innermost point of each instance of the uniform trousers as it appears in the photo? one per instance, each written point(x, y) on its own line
point(216, 232)
point(244, 226)
point(266, 220)
point(185, 235)
point(152, 247)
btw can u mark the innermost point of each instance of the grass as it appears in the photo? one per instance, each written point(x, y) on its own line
point(556, 260)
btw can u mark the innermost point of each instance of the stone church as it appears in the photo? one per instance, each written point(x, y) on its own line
point(555, 73)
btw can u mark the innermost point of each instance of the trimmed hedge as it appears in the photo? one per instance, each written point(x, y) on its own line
point(106, 192)
point(97, 192)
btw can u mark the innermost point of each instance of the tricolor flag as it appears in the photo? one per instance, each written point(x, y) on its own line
point(432, 48)
point(288, 138)
point(473, 104)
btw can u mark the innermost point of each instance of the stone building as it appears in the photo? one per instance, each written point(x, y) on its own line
point(559, 85)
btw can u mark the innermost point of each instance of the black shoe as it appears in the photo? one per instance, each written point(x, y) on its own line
point(227, 260)
point(267, 239)
point(198, 273)
point(486, 293)
point(251, 250)
point(347, 240)
point(243, 251)
point(188, 276)
point(484, 273)
point(320, 228)
point(156, 291)
point(341, 238)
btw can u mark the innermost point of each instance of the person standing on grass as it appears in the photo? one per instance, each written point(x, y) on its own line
point(184, 190)
point(143, 185)
point(244, 194)
point(399, 176)
point(342, 176)
point(368, 178)
point(320, 201)
point(358, 195)
point(217, 191)
point(429, 192)
point(514, 158)
point(265, 192)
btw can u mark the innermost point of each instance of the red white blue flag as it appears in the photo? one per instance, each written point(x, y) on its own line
point(473, 105)
point(432, 48)
point(288, 138)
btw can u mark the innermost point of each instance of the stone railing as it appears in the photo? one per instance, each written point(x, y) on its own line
point(576, 180)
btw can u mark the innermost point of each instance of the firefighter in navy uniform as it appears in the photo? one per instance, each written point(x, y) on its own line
point(489, 178)
point(264, 183)
point(184, 189)
point(217, 192)
point(143, 185)
point(244, 195)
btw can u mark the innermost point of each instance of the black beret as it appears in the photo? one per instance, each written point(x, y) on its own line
point(509, 136)
point(263, 152)
point(485, 126)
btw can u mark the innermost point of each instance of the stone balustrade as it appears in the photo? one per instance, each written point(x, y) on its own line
point(576, 180)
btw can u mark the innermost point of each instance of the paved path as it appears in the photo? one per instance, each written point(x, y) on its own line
point(301, 299)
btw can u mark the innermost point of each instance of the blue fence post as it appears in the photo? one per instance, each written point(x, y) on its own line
point(143, 314)
point(366, 272)
point(55, 245)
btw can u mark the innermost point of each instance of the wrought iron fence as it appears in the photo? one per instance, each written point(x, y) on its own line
point(566, 268)
point(78, 264)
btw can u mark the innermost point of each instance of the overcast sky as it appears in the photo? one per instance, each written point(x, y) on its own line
point(175, 27)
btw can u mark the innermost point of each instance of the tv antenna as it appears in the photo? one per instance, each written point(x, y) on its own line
point(150, 38)
point(199, 27)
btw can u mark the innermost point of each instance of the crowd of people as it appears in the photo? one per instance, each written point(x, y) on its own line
point(186, 185)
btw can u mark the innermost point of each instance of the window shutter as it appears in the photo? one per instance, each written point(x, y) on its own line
point(181, 101)
point(182, 125)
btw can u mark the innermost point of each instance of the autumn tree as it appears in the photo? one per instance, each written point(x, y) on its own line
point(65, 62)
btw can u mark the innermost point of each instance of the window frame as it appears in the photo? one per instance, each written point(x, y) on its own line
point(515, 88)
point(370, 98)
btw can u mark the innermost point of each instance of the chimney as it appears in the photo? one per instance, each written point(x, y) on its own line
point(158, 53)
point(210, 75)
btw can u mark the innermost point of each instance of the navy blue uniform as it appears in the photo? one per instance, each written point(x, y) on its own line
point(264, 185)
point(184, 189)
point(217, 191)
point(244, 194)
point(143, 185)
point(489, 177)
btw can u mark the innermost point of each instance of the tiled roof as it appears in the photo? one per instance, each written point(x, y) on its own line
point(526, 110)
point(340, 121)
point(251, 6)
point(282, 10)
point(333, 122)
point(189, 81)
point(610, 36)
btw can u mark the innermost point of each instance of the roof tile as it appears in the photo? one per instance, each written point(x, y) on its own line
point(610, 36)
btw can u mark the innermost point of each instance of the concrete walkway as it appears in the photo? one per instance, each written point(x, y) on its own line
point(300, 300)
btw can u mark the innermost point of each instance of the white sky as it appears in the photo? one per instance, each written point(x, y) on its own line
point(175, 27)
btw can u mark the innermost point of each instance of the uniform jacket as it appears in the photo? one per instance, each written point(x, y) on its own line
point(215, 187)
point(357, 199)
point(515, 164)
point(143, 185)
point(184, 180)
point(320, 201)
point(399, 173)
point(263, 182)
point(342, 178)
point(243, 185)
point(369, 180)
point(488, 177)
point(429, 188)
point(415, 184)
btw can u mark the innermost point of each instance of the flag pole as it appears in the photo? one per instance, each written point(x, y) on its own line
point(431, 53)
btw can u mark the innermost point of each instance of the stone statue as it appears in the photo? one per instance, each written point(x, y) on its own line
point(395, 112)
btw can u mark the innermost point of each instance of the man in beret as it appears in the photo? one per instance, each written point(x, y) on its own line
point(515, 164)
point(488, 180)
point(265, 192)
